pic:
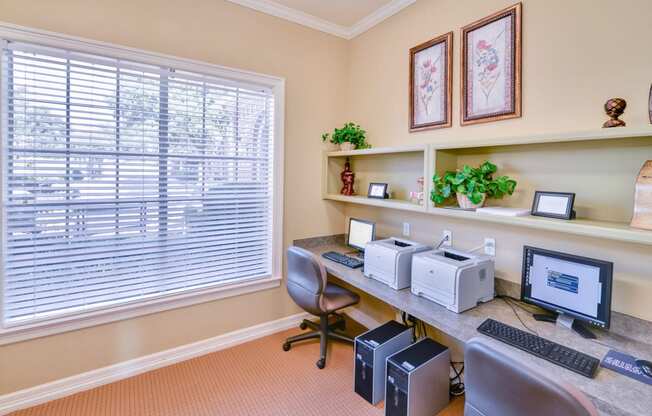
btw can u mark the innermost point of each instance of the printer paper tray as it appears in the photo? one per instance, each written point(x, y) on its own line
point(434, 295)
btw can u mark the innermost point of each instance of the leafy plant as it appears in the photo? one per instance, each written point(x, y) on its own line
point(472, 182)
point(351, 133)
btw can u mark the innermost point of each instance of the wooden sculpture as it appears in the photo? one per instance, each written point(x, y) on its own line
point(614, 108)
point(643, 198)
point(348, 179)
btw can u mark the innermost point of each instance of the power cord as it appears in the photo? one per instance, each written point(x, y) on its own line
point(419, 329)
point(456, 383)
point(443, 240)
point(509, 303)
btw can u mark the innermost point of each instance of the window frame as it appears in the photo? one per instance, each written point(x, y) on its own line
point(163, 302)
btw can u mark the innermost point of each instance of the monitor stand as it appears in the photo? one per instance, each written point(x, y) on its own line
point(566, 322)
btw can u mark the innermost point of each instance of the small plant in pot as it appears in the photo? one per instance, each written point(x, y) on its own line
point(349, 137)
point(471, 186)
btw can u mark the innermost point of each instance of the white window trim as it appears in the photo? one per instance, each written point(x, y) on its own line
point(165, 302)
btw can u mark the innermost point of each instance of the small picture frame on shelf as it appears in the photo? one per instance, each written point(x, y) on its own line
point(377, 190)
point(554, 205)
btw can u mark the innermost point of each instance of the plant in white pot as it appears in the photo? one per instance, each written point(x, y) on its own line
point(349, 137)
point(471, 186)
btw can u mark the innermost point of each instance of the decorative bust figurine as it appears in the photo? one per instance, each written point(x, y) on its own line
point(614, 108)
point(348, 178)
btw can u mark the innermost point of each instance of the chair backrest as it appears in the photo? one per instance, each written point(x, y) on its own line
point(306, 280)
point(496, 385)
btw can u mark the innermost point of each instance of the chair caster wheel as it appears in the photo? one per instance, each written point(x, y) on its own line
point(321, 363)
point(303, 325)
point(286, 346)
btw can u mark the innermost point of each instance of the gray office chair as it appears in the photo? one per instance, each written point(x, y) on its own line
point(498, 386)
point(308, 287)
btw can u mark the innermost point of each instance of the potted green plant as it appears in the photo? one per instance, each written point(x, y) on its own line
point(471, 186)
point(349, 137)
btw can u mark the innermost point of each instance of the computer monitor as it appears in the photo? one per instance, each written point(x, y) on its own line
point(360, 233)
point(577, 289)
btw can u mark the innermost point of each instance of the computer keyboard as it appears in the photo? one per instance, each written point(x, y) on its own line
point(342, 259)
point(555, 353)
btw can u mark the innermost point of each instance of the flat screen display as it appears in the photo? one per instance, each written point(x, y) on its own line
point(360, 233)
point(564, 283)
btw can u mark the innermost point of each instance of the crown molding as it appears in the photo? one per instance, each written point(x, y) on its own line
point(314, 22)
point(293, 15)
point(388, 10)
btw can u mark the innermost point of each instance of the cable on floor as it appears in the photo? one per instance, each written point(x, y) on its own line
point(456, 384)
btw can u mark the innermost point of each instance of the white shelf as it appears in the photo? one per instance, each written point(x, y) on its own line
point(383, 203)
point(379, 151)
point(576, 136)
point(584, 227)
point(591, 228)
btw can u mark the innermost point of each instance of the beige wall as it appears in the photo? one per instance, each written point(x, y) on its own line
point(215, 31)
point(572, 62)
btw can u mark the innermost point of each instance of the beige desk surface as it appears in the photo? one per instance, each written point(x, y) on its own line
point(612, 393)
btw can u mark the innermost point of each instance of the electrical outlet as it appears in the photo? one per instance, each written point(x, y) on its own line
point(447, 237)
point(490, 246)
point(406, 229)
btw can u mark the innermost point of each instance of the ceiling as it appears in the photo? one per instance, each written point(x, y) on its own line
point(340, 12)
point(343, 18)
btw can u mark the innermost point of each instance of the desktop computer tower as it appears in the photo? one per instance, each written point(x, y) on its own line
point(371, 350)
point(418, 380)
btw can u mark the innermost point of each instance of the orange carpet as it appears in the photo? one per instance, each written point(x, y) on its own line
point(256, 378)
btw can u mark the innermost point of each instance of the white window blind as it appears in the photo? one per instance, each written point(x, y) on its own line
point(125, 181)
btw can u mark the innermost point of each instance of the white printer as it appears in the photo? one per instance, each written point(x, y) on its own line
point(453, 278)
point(390, 261)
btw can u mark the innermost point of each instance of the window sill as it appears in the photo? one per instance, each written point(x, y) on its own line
point(103, 316)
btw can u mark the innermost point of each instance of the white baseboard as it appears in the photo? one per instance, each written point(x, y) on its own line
point(95, 378)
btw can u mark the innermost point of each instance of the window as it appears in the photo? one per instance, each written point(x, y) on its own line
point(126, 182)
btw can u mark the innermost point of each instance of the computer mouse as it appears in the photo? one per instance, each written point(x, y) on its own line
point(645, 366)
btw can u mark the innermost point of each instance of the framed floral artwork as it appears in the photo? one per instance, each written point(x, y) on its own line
point(491, 67)
point(649, 104)
point(431, 66)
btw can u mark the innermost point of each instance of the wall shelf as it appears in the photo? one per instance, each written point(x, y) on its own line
point(566, 137)
point(383, 203)
point(585, 227)
point(599, 165)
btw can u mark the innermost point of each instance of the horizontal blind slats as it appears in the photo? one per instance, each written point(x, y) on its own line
point(127, 180)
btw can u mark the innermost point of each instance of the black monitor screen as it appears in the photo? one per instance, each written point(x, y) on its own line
point(571, 285)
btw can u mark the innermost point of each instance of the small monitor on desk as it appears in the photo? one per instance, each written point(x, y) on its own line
point(360, 233)
point(577, 289)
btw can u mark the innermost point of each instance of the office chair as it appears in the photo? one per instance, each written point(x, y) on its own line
point(308, 287)
point(496, 385)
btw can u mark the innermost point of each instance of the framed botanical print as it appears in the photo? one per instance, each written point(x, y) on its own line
point(431, 67)
point(649, 108)
point(491, 67)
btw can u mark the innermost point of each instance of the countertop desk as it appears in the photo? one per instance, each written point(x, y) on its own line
point(612, 393)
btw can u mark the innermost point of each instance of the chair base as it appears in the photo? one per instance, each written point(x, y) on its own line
point(322, 330)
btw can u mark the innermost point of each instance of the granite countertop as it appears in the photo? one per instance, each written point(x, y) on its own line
point(612, 393)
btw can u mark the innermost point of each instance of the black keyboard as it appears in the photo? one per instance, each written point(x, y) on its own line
point(555, 353)
point(351, 262)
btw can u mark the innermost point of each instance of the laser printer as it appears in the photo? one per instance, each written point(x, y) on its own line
point(452, 278)
point(390, 261)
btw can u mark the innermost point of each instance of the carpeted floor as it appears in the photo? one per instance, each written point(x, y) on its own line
point(256, 378)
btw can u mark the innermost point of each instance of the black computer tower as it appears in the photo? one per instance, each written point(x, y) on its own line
point(417, 381)
point(371, 350)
